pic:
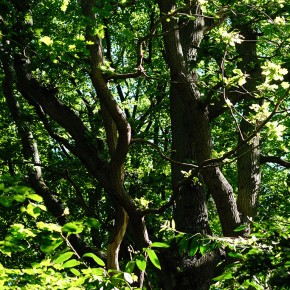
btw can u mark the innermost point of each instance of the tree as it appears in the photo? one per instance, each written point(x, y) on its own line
point(140, 113)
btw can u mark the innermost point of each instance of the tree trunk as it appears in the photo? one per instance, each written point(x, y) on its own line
point(249, 176)
point(116, 238)
point(191, 142)
point(190, 212)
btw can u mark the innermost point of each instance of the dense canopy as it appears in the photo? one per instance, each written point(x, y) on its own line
point(144, 144)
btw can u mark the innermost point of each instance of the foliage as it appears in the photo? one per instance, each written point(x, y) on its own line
point(134, 134)
point(260, 262)
point(61, 267)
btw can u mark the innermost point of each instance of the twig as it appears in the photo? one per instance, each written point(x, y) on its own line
point(172, 198)
point(140, 140)
point(249, 138)
point(70, 245)
point(225, 98)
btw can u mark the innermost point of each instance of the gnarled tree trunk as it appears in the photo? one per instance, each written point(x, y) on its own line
point(249, 176)
point(191, 142)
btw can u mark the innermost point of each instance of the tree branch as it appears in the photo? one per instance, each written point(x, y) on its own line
point(140, 140)
point(100, 85)
point(45, 97)
point(250, 137)
point(172, 198)
point(274, 159)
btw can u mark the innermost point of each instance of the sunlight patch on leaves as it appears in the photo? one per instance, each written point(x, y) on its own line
point(46, 40)
point(64, 5)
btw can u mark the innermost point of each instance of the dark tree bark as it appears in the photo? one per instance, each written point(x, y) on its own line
point(249, 176)
point(30, 152)
point(115, 122)
point(191, 142)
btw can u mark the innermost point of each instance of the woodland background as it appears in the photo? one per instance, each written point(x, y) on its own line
point(144, 144)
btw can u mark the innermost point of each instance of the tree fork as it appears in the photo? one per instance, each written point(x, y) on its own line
point(30, 151)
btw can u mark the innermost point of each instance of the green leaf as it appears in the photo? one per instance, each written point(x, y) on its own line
point(22, 189)
point(225, 276)
point(75, 271)
point(203, 249)
point(235, 255)
point(6, 201)
point(35, 197)
point(64, 5)
point(42, 207)
point(46, 40)
point(194, 246)
point(9, 178)
point(49, 227)
point(28, 271)
point(240, 228)
point(48, 246)
point(33, 210)
point(256, 286)
point(141, 263)
point(63, 257)
point(190, 17)
point(93, 223)
point(73, 227)
point(153, 258)
point(183, 245)
point(98, 271)
point(98, 260)
point(71, 263)
point(130, 266)
point(19, 198)
point(159, 245)
point(213, 245)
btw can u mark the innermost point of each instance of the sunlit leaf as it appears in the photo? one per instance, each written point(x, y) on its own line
point(203, 249)
point(75, 271)
point(225, 276)
point(33, 210)
point(71, 263)
point(240, 228)
point(63, 257)
point(141, 263)
point(35, 197)
point(64, 5)
point(159, 245)
point(98, 260)
point(46, 40)
point(235, 255)
point(153, 258)
point(19, 198)
point(72, 227)
point(130, 266)
point(49, 226)
point(98, 271)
